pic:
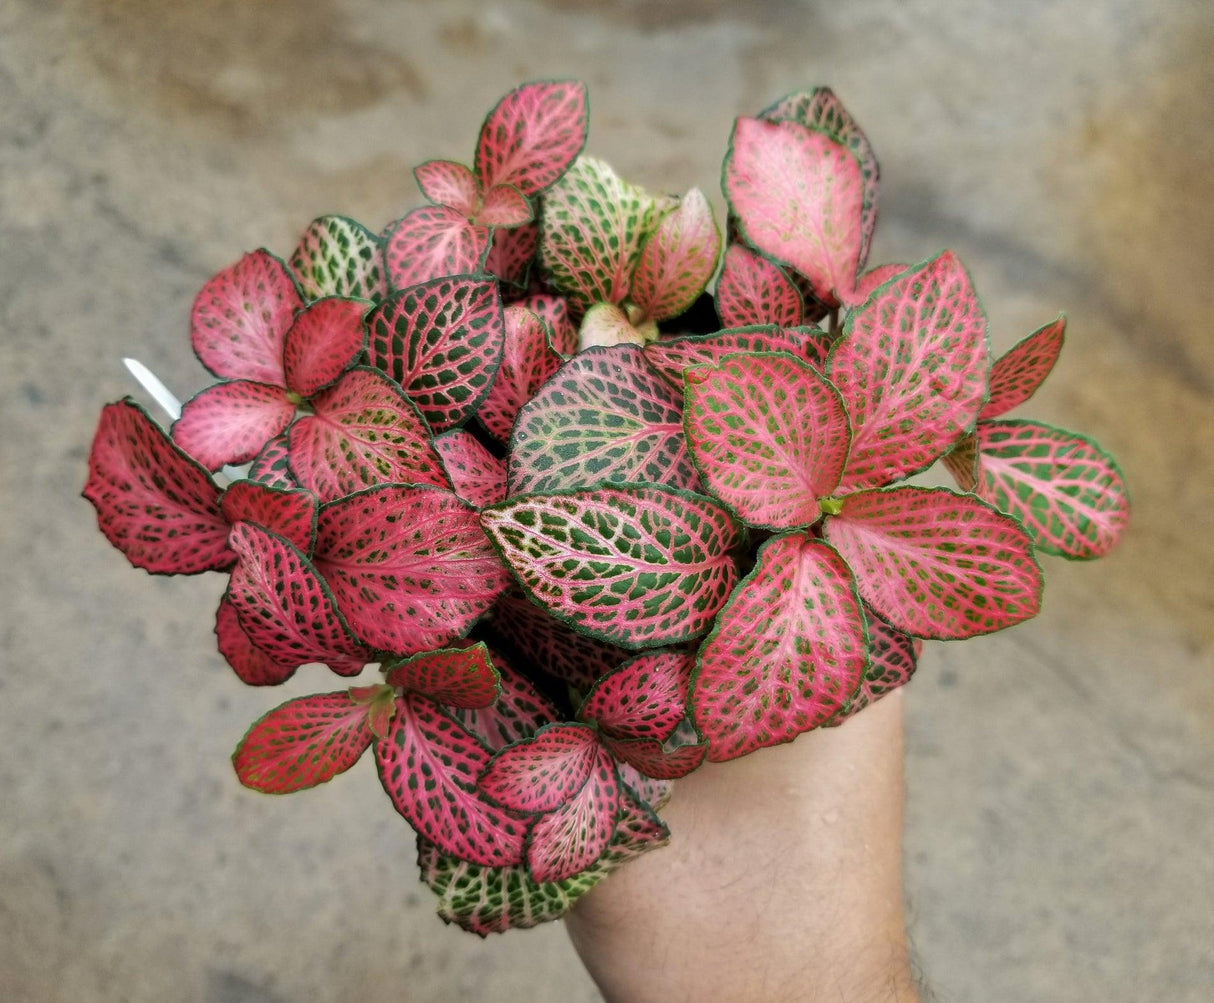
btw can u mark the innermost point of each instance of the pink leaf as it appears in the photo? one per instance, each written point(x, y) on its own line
point(541, 773)
point(442, 342)
point(634, 565)
point(504, 205)
point(786, 653)
point(409, 565)
point(605, 415)
point(231, 422)
point(569, 840)
point(672, 356)
point(646, 697)
point(428, 765)
point(798, 195)
point(655, 792)
point(755, 290)
point(769, 434)
point(289, 513)
point(937, 564)
point(511, 255)
point(532, 136)
point(1067, 492)
point(870, 282)
point(302, 743)
point(364, 431)
point(528, 360)
point(324, 342)
point(431, 243)
point(1016, 376)
point(339, 257)
point(911, 366)
point(455, 677)
point(962, 462)
point(272, 465)
point(154, 503)
point(892, 661)
point(241, 316)
point(444, 182)
point(477, 475)
point(520, 710)
point(252, 666)
point(285, 607)
point(678, 259)
point(649, 757)
point(554, 311)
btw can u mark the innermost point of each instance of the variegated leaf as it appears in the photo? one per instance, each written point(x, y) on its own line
point(504, 205)
point(570, 839)
point(339, 257)
point(477, 475)
point(554, 311)
point(962, 462)
point(787, 652)
point(252, 665)
point(648, 756)
point(272, 465)
point(541, 773)
point(325, 340)
point(672, 356)
point(454, 677)
point(605, 416)
point(441, 341)
point(769, 434)
point(532, 135)
point(1016, 375)
point(678, 259)
point(230, 422)
point(911, 366)
point(634, 565)
point(445, 182)
point(528, 360)
point(892, 660)
point(520, 710)
point(755, 290)
point(653, 792)
point(289, 513)
point(154, 503)
point(363, 431)
point(511, 254)
point(606, 324)
point(433, 242)
point(871, 281)
point(646, 697)
point(937, 564)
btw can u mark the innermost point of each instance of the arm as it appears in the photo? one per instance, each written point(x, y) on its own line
point(783, 880)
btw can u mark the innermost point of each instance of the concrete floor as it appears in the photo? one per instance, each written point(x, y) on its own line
point(1061, 776)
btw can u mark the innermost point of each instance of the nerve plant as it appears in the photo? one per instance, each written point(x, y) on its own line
point(588, 544)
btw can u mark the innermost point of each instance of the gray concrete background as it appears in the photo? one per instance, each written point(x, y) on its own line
point(1061, 775)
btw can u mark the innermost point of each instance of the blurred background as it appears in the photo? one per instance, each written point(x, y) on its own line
point(1061, 775)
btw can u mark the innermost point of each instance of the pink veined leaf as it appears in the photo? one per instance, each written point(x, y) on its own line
point(892, 661)
point(678, 259)
point(937, 564)
point(911, 366)
point(605, 416)
point(428, 765)
point(364, 431)
point(285, 607)
point(528, 360)
point(813, 344)
point(672, 356)
point(511, 254)
point(554, 311)
point(454, 677)
point(769, 434)
point(550, 645)
point(504, 205)
point(252, 666)
point(638, 565)
point(272, 465)
point(798, 194)
point(337, 256)
point(1067, 492)
point(754, 290)
point(445, 182)
point(241, 316)
point(442, 342)
point(962, 462)
point(649, 757)
point(323, 343)
point(289, 513)
point(532, 136)
point(302, 743)
point(570, 839)
point(520, 710)
point(871, 281)
point(787, 652)
point(1016, 375)
point(821, 109)
point(154, 503)
point(651, 791)
point(646, 697)
point(433, 242)
point(230, 422)
point(477, 475)
point(409, 564)
point(541, 773)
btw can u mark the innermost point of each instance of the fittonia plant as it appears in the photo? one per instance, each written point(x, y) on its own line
point(588, 547)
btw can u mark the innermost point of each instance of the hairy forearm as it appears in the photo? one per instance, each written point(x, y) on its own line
point(783, 880)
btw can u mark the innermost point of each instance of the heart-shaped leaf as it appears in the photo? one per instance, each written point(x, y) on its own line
point(154, 503)
point(477, 475)
point(289, 513)
point(649, 757)
point(570, 839)
point(433, 242)
point(787, 652)
point(429, 764)
point(364, 431)
point(520, 710)
point(798, 194)
point(441, 341)
point(911, 366)
point(339, 257)
point(409, 565)
point(504, 205)
point(892, 660)
point(302, 743)
point(755, 290)
point(272, 466)
point(541, 773)
point(934, 563)
point(532, 136)
point(678, 259)
point(252, 666)
point(445, 182)
point(605, 416)
point(646, 697)
point(528, 360)
point(769, 434)
point(324, 342)
point(230, 422)
point(672, 356)
point(1016, 375)
point(635, 565)
point(455, 677)
point(554, 311)
point(241, 316)
point(511, 255)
